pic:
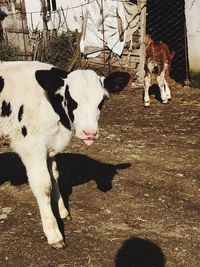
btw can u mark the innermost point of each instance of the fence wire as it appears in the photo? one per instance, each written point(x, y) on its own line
point(166, 22)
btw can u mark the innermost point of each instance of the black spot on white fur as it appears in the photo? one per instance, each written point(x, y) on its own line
point(51, 80)
point(56, 102)
point(5, 109)
point(61, 73)
point(20, 113)
point(1, 84)
point(24, 131)
point(71, 103)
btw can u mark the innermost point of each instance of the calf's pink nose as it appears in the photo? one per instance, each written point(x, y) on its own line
point(90, 134)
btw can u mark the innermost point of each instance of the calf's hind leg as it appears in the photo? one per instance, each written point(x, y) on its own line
point(167, 90)
point(161, 84)
point(56, 195)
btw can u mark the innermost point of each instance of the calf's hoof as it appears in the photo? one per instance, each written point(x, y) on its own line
point(165, 101)
point(68, 217)
point(64, 214)
point(146, 103)
point(58, 245)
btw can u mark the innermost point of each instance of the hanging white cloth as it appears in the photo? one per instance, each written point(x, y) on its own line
point(103, 22)
point(102, 26)
point(75, 13)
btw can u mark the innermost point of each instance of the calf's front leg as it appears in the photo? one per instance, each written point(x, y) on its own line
point(147, 83)
point(167, 90)
point(40, 183)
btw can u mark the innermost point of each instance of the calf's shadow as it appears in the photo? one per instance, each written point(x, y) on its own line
point(155, 91)
point(74, 169)
point(12, 169)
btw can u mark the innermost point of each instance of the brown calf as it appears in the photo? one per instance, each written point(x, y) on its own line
point(158, 61)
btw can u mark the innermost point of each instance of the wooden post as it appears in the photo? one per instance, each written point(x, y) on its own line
point(44, 14)
point(23, 34)
point(102, 18)
point(142, 4)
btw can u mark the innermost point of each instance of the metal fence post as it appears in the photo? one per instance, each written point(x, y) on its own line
point(142, 5)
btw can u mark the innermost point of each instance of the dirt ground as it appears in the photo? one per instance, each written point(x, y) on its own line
point(134, 195)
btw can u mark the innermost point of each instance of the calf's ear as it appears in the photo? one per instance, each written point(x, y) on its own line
point(51, 80)
point(116, 81)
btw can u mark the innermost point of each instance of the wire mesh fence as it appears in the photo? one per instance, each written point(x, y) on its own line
point(166, 22)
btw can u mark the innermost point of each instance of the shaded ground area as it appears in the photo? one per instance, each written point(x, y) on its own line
point(134, 195)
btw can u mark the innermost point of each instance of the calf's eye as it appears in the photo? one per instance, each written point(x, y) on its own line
point(101, 103)
point(72, 103)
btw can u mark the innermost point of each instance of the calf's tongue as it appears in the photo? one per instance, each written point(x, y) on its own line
point(88, 142)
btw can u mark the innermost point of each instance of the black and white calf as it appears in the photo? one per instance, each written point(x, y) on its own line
point(40, 107)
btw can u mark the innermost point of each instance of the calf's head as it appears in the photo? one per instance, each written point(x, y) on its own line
point(158, 57)
point(77, 97)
